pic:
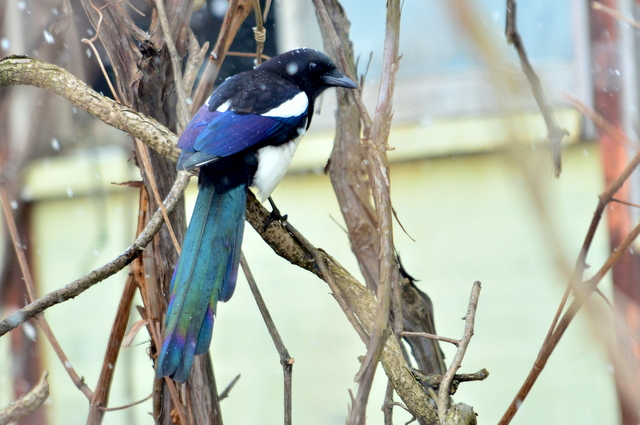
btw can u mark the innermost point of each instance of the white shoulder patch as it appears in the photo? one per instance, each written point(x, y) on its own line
point(273, 162)
point(293, 107)
point(224, 106)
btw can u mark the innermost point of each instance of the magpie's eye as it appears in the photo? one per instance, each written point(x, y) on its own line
point(313, 66)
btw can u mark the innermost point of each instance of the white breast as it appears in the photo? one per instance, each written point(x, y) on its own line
point(273, 162)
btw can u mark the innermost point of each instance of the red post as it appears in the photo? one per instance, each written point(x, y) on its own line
point(608, 87)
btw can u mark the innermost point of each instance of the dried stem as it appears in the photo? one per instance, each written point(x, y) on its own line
point(558, 326)
point(434, 381)
point(31, 291)
point(101, 395)
point(194, 62)
point(285, 359)
point(455, 342)
point(357, 302)
point(225, 393)
point(237, 12)
point(181, 101)
point(80, 285)
point(555, 134)
point(469, 320)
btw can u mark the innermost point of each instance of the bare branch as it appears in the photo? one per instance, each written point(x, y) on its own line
point(555, 134)
point(18, 70)
point(181, 101)
point(80, 285)
point(285, 359)
point(100, 398)
point(225, 393)
point(469, 320)
point(359, 301)
point(31, 291)
point(237, 12)
point(455, 342)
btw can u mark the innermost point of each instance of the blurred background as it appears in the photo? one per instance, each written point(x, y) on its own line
point(457, 187)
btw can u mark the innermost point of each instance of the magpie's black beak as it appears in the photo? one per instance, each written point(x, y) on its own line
point(337, 79)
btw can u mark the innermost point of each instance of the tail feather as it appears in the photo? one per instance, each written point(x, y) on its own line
point(206, 273)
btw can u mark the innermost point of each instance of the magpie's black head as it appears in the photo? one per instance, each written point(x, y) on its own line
point(310, 69)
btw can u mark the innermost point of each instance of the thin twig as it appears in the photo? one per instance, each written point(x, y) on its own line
point(595, 5)
point(248, 55)
point(453, 341)
point(194, 62)
point(181, 101)
point(387, 404)
point(375, 142)
point(80, 285)
point(31, 292)
point(285, 359)
point(443, 391)
point(555, 134)
point(126, 406)
point(171, 385)
point(148, 168)
point(100, 398)
point(328, 277)
point(237, 12)
point(550, 343)
point(325, 20)
point(224, 394)
point(435, 380)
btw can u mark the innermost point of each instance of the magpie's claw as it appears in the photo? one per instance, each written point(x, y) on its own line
point(274, 215)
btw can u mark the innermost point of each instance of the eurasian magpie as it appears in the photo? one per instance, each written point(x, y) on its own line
point(244, 135)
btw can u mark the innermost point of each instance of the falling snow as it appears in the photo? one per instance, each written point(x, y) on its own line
point(48, 37)
point(70, 192)
point(292, 68)
point(4, 43)
point(22, 5)
point(55, 144)
point(14, 205)
point(29, 331)
point(218, 8)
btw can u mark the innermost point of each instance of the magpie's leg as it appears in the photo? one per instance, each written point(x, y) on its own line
point(274, 215)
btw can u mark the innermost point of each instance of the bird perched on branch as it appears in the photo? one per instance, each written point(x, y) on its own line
point(244, 135)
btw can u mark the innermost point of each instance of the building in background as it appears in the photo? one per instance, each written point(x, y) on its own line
point(457, 191)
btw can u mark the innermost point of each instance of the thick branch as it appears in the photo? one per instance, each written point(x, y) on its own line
point(21, 70)
point(359, 299)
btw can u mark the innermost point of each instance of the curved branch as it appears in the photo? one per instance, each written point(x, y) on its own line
point(80, 285)
point(22, 70)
